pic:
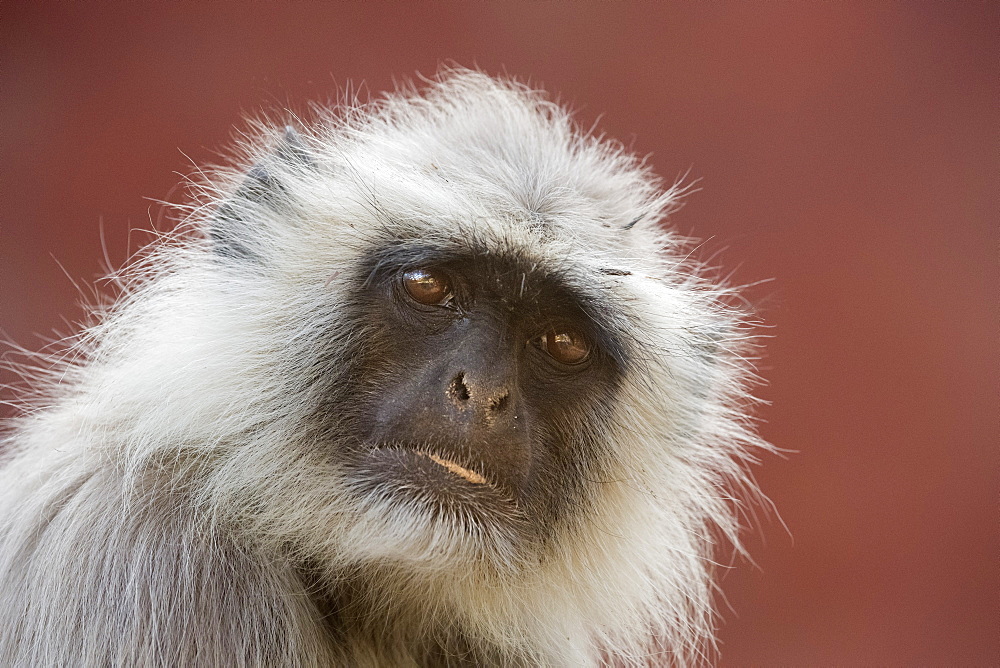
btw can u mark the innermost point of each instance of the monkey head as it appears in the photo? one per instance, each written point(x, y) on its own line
point(436, 365)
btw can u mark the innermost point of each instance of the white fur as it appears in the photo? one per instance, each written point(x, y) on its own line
point(161, 488)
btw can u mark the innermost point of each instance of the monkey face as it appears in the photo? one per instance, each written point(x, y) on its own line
point(481, 380)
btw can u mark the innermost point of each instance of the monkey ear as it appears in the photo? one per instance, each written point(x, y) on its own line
point(231, 228)
point(293, 150)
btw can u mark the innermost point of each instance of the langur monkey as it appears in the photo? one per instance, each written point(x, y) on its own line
point(426, 381)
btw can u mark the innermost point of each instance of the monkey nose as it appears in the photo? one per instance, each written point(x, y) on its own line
point(466, 394)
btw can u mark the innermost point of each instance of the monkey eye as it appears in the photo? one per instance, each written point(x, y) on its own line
point(568, 347)
point(428, 286)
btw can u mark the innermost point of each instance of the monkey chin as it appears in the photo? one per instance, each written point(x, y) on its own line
point(425, 506)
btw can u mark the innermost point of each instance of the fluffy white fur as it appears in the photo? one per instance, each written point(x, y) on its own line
point(161, 491)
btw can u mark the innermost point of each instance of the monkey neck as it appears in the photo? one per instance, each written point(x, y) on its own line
point(382, 618)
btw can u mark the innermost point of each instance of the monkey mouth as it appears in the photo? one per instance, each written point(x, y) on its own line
point(418, 472)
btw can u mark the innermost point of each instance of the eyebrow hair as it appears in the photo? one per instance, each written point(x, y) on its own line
point(599, 317)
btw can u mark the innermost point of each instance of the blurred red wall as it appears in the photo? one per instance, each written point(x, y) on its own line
point(849, 150)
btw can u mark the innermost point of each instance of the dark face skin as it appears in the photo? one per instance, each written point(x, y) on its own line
point(481, 384)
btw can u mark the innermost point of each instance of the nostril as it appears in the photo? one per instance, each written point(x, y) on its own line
point(500, 403)
point(458, 389)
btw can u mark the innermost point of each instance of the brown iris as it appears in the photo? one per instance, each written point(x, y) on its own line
point(567, 347)
point(427, 286)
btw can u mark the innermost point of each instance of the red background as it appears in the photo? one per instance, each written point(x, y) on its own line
point(848, 150)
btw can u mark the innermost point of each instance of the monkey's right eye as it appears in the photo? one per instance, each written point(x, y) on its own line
point(428, 286)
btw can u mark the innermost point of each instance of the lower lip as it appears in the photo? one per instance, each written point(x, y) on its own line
point(458, 470)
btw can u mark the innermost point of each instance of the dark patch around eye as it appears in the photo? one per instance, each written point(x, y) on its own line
point(529, 292)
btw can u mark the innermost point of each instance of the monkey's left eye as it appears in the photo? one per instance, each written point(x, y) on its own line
point(428, 286)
